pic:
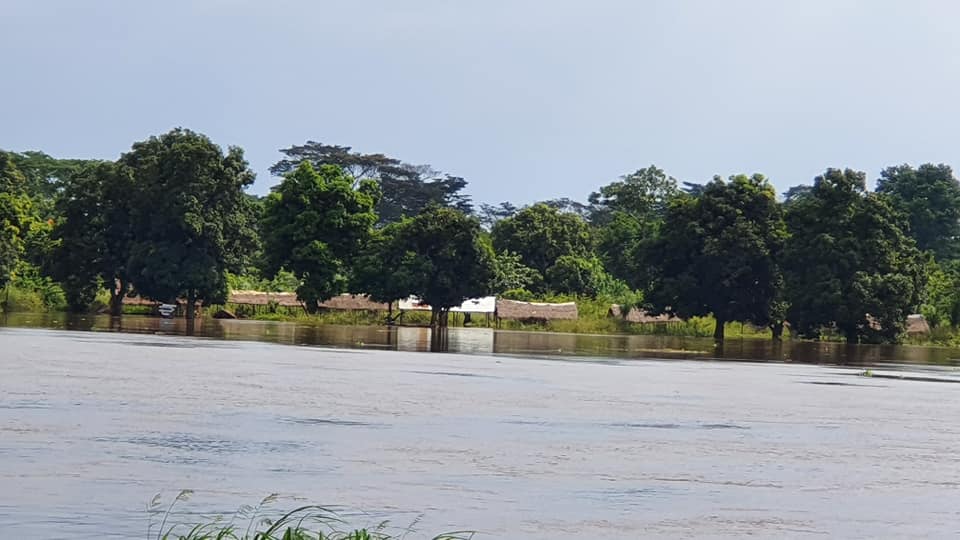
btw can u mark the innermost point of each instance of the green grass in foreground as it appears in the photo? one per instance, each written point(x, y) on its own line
point(304, 523)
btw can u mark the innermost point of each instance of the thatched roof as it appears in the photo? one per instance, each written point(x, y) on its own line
point(353, 302)
point(637, 315)
point(515, 310)
point(257, 298)
point(917, 324)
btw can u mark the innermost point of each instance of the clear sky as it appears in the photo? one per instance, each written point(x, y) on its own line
point(525, 99)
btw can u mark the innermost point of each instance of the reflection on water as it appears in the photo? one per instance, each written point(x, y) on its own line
point(486, 340)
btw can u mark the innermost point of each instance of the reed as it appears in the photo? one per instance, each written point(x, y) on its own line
point(310, 522)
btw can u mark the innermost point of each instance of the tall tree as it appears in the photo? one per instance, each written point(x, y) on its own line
point(406, 189)
point(848, 262)
point(643, 194)
point(541, 235)
point(627, 213)
point(192, 220)
point(440, 257)
point(489, 214)
point(718, 253)
point(93, 234)
point(314, 224)
point(930, 198)
point(15, 214)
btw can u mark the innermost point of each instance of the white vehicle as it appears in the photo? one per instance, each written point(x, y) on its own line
point(167, 310)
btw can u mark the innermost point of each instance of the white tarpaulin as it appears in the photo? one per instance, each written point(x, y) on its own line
point(487, 304)
point(413, 304)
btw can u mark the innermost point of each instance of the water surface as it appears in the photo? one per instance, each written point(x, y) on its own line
point(93, 424)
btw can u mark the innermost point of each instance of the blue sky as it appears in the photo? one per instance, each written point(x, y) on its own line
point(525, 99)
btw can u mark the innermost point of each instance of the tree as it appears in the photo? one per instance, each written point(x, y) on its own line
point(191, 218)
point(406, 189)
point(509, 273)
point(577, 275)
point(15, 212)
point(718, 253)
point(930, 198)
point(489, 214)
point(314, 224)
point(848, 262)
point(93, 234)
point(643, 194)
point(541, 235)
point(440, 257)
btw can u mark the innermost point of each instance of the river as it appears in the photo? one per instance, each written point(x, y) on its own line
point(530, 436)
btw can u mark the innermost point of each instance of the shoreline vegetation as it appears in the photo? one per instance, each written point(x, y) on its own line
point(171, 218)
point(594, 318)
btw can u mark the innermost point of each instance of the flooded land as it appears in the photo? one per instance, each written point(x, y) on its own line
point(530, 436)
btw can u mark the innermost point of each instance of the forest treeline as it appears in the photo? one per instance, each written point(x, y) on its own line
point(171, 219)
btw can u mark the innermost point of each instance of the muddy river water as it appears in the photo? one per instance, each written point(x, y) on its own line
point(536, 443)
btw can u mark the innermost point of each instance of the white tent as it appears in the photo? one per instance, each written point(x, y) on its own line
point(484, 305)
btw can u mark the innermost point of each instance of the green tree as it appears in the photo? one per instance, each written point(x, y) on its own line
point(192, 220)
point(930, 198)
point(93, 235)
point(541, 234)
point(509, 273)
point(441, 258)
point(718, 253)
point(941, 295)
point(314, 224)
point(406, 189)
point(643, 194)
point(848, 262)
point(577, 275)
point(15, 215)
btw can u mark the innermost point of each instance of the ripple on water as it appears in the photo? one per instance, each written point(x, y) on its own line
point(658, 425)
point(306, 421)
point(25, 404)
point(193, 443)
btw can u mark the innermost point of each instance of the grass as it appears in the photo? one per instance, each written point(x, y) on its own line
point(311, 522)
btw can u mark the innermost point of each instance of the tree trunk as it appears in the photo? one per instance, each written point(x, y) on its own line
point(777, 330)
point(116, 298)
point(434, 317)
point(851, 335)
point(718, 330)
point(191, 303)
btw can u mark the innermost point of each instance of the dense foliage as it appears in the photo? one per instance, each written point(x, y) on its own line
point(170, 219)
point(719, 253)
point(314, 224)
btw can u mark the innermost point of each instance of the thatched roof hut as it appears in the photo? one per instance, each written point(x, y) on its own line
point(258, 298)
point(525, 311)
point(353, 302)
point(637, 315)
point(917, 324)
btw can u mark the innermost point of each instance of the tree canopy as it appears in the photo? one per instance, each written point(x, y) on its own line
point(405, 189)
point(315, 223)
point(541, 234)
point(719, 253)
point(191, 219)
point(438, 256)
point(850, 265)
point(929, 196)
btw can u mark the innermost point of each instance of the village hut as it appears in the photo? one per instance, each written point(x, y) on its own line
point(917, 325)
point(353, 302)
point(535, 311)
point(259, 298)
